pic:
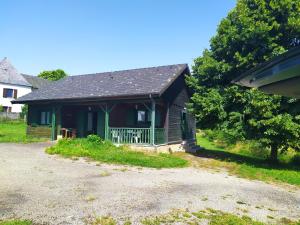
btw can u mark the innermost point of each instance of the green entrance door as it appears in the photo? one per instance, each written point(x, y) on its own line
point(184, 125)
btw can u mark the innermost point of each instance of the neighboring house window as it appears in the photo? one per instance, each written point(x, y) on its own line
point(6, 109)
point(10, 93)
point(141, 116)
point(45, 118)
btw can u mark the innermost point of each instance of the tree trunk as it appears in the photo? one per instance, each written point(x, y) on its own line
point(274, 153)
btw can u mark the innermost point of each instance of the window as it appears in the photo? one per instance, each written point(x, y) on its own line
point(10, 93)
point(141, 116)
point(45, 118)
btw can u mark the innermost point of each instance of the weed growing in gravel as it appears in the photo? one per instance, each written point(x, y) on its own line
point(121, 169)
point(90, 198)
point(204, 199)
point(104, 220)
point(241, 203)
point(104, 174)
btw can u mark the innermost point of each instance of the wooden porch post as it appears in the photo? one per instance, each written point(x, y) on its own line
point(167, 123)
point(106, 123)
point(53, 124)
point(152, 128)
point(58, 120)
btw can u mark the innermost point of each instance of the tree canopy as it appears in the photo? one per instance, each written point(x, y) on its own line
point(53, 75)
point(253, 32)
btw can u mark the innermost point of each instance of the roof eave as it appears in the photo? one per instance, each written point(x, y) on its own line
point(89, 99)
point(249, 78)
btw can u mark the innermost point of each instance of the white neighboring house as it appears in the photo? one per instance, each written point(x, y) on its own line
point(14, 85)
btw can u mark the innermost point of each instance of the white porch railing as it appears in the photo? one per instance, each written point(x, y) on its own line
point(135, 135)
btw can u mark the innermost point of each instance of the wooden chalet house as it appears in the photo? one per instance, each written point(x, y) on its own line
point(140, 106)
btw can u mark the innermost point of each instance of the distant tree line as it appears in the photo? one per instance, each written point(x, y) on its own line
point(53, 75)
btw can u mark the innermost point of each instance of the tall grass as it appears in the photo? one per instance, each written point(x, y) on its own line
point(105, 151)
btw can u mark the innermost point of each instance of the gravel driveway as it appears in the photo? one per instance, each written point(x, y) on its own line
point(50, 189)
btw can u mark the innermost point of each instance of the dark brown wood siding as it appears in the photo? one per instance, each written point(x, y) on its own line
point(177, 95)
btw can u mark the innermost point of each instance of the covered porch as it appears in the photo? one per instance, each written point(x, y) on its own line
point(131, 122)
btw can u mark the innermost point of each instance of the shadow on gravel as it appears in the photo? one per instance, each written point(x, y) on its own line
point(243, 159)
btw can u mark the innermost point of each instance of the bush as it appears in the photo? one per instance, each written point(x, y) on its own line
point(95, 139)
point(24, 112)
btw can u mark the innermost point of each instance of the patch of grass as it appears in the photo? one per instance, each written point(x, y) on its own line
point(14, 131)
point(213, 217)
point(109, 153)
point(104, 220)
point(221, 218)
point(244, 165)
point(16, 222)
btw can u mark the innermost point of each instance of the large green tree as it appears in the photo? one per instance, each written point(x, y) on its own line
point(53, 75)
point(253, 32)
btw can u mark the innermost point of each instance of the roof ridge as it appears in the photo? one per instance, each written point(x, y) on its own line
point(115, 71)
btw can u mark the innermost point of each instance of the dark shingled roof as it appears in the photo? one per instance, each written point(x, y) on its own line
point(36, 82)
point(118, 84)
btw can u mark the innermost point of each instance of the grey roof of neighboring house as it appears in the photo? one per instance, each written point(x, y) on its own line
point(36, 82)
point(280, 75)
point(9, 74)
point(118, 84)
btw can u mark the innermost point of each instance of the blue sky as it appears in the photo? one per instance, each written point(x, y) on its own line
point(106, 35)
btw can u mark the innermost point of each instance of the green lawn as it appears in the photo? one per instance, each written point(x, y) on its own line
point(15, 131)
point(109, 153)
point(16, 222)
point(245, 165)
